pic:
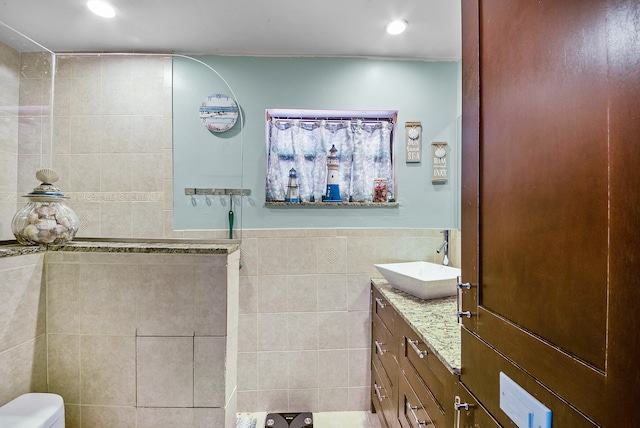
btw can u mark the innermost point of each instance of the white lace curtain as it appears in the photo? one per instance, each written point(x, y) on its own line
point(364, 153)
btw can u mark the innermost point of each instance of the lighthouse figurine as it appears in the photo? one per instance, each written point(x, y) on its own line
point(333, 183)
point(292, 188)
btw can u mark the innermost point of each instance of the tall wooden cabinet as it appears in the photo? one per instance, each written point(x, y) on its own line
point(550, 206)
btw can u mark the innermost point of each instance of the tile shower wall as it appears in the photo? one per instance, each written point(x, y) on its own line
point(304, 313)
point(23, 356)
point(137, 340)
point(112, 143)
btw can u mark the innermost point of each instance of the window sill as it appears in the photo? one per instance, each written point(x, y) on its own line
point(332, 204)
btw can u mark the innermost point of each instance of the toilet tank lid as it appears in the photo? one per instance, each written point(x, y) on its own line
point(32, 410)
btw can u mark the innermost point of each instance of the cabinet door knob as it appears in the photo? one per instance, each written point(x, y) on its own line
point(381, 302)
point(462, 285)
point(379, 346)
point(414, 345)
point(464, 314)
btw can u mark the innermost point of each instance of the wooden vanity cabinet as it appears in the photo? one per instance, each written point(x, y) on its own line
point(410, 386)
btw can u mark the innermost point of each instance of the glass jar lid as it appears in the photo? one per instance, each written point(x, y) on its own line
point(46, 191)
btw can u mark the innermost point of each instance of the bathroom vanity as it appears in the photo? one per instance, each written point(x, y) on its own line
point(415, 358)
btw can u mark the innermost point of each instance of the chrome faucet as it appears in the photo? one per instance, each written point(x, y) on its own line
point(444, 246)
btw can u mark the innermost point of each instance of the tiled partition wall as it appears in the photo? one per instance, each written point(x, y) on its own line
point(304, 313)
point(23, 354)
point(143, 340)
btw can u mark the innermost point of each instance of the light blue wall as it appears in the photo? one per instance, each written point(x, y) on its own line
point(428, 92)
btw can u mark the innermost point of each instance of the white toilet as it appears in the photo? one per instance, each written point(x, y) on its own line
point(34, 410)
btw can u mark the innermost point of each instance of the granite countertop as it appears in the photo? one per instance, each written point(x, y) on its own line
point(434, 320)
point(177, 246)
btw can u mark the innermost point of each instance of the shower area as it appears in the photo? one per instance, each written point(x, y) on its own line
point(125, 134)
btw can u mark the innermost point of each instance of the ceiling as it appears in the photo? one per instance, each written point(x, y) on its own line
point(338, 28)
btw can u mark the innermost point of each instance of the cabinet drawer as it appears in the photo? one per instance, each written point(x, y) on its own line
point(411, 412)
point(383, 309)
point(382, 395)
point(384, 346)
point(420, 362)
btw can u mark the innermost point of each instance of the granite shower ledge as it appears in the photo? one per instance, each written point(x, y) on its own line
point(434, 320)
point(169, 246)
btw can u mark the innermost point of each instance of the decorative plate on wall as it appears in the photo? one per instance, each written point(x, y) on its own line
point(218, 113)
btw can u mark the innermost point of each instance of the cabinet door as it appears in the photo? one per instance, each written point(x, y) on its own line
point(535, 190)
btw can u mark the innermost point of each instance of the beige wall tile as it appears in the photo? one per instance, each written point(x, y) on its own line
point(273, 370)
point(333, 330)
point(359, 329)
point(272, 293)
point(272, 332)
point(359, 367)
point(165, 371)
point(274, 400)
point(166, 300)
point(164, 417)
point(303, 400)
point(303, 331)
point(63, 297)
point(273, 256)
point(303, 370)
point(302, 293)
point(248, 338)
point(108, 299)
point(248, 297)
point(23, 369)
point(64, 366)
point(333, 370)
point(248, 376)
point(210, 300)
point(332, 292)
point(108, 370)
point(206, 418)
point(333, 399)
point(107, 417)
point(332, 255)
point(209, 371)
point(302, 256)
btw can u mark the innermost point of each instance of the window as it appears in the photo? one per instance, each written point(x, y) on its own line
point(302, 141)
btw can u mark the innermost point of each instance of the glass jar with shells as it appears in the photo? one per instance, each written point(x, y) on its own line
point(46, 219)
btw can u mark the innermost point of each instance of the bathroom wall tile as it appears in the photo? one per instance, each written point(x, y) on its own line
point(165, 371)
point(359, 367)
point(273, 332)
point(164, 417)
point(248, 328)
point(146, 138)
point(273, 256)
point(233, 291)
point(63, 297)
point(359, 329)
point(303, 369)
point(209, 371)
point(332, 254)
point(333, 399)
point(303, 331)
point(359, 292)
point(302, 293)
point(333, 369)
point(332, 292)
point(118, 95)
point(247, 371)
point(100, 416)
point(146, 172)
point(148, 94)
point(333, 330)
point(72, 415)
point(207, 417)
point(165, 300)
point(89, 218)
point(108, 299)
point(116, 172)
point(64, 366)
point(86, 97)
point(23, 369)
point(362, 254)
point(147, 220)
point(272, 293)
point(273, 400)
point(210, 307)
point(115, 219)
point(84, 173)
point(273, 371)
point(248, 298)
point(84, 134)
point(302, 256)
point(247, 400)
point(249, 256)
point(108, 370)
point(359, 398)
point(29, 136)
point(303, 400)
point(22, 302)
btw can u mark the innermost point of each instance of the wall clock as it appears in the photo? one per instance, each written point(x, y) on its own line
point(218, 113)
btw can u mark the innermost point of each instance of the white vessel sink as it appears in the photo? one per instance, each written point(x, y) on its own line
point(421, 279)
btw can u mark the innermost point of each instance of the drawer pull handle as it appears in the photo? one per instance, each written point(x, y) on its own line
point(414, 345)
point(379, 346)
point(381, 303)
point(413, 414)
point(377, 389)
point(462, 285)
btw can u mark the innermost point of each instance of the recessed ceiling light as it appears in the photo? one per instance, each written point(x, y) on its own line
point(101, 8)
point(396, 27)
